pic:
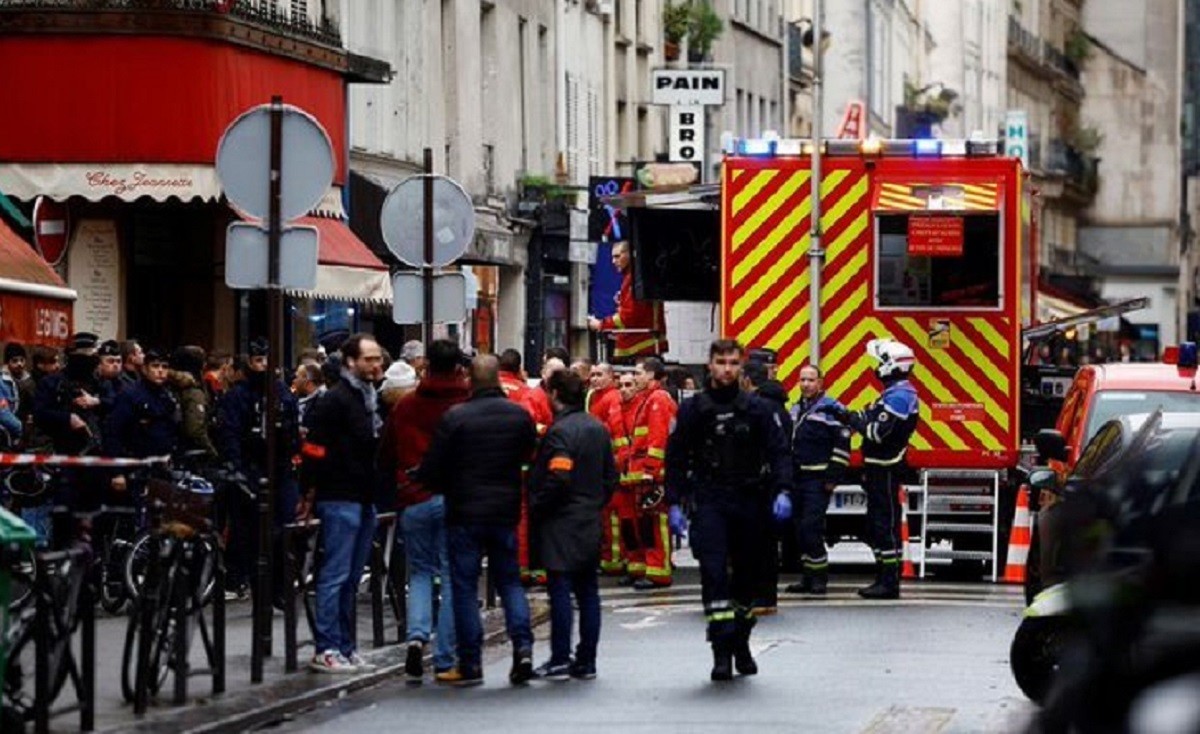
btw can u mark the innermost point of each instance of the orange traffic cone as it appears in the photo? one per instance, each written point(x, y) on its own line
point(906, 569)
point(1019, 539)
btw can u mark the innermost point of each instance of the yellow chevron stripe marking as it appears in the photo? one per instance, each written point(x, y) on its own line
point(942, 394)
point(751, 189)
point(769, 244)
point(838, 211)
point(853, 268)
point(965, 381)
point(993, 337)
point(919, 442)
point(750, 299)
point(783, 300)
point(850, 306)
point(995, 373)
point(738, 173)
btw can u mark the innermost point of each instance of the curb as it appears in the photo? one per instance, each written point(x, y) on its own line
point(199, 719)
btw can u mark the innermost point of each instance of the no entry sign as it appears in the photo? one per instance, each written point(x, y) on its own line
point(935, 236)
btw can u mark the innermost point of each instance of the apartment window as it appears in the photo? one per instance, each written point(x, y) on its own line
point(299, 10)
point(489, 167)
point(739, 111)
point(595, 131)
point(522, 83)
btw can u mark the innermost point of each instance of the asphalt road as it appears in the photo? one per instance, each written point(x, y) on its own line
point(936, 661)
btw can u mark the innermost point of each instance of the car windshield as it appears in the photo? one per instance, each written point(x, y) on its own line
point(1109, 404)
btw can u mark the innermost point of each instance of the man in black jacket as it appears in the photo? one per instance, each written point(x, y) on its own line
point(572, 480)
point(475, 459)
point(339, 455)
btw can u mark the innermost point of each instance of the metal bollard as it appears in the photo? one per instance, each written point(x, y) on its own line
point(41, 672)
point(290, 652)
point(87, 674)
point(218, 672)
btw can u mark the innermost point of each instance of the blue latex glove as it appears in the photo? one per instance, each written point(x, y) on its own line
point(676, 520)
point(783, 507)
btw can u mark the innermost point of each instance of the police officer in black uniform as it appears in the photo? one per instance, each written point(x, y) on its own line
point(820, 454)
point(727, 458)
point(145, 417)
point(886, 426)
point(67, 405)
point(241, 441)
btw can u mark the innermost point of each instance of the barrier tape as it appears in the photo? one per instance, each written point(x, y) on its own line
point(93, 461)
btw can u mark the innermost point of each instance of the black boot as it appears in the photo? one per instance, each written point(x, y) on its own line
point(722, 669)
point(742, 659)
point(803, 587)
point(819, 583)
point(886, 586)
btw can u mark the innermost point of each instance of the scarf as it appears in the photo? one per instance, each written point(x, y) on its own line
point(370, 399)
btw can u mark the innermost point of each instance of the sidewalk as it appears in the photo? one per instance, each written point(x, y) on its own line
point(243, 705)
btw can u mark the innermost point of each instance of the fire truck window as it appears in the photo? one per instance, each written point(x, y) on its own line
point(969, 281)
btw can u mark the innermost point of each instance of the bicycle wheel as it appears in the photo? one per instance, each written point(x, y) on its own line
point(137, 559)
point(128, 657)
point(22, 576)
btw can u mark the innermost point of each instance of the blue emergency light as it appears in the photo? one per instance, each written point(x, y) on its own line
point(1187, 354)
point(771, 146)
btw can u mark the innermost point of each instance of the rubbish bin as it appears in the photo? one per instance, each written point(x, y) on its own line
point(16, 538)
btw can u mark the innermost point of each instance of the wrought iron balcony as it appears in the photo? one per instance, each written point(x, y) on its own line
point(268, 16)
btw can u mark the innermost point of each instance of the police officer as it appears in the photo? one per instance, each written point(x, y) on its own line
point(886, 425)
point(727, 458)
point(145, 417)
point(241, 441)
point(820, 453)
point(67, 406)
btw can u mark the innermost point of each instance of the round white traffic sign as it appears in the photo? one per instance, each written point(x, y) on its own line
point(244, 162)
point(402, 220)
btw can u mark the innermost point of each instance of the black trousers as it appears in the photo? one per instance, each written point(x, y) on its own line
point(810, 502)
point(882, 485)
point(727, 540)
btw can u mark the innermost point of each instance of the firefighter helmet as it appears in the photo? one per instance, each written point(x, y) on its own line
point(894, 359)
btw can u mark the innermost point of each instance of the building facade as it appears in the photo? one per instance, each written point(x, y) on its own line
point(142, 208)
point(1131, 235)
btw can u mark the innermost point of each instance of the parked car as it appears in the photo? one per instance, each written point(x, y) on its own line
point(1098, 394)
point(1130, 465)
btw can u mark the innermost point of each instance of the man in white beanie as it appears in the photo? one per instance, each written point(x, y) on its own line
point(398, 381)
point(413, 352)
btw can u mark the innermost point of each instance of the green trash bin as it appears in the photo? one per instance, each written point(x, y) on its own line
point(16, 538)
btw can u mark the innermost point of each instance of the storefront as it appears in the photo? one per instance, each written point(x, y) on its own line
point(130, 108)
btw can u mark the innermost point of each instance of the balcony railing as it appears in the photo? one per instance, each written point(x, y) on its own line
point(1039, 51)
point(1081, 170)
point(268, 15)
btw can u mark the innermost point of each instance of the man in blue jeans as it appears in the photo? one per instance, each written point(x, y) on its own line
point(406, 438)
point(572, 480)
point(339, 455)
point(475, 460)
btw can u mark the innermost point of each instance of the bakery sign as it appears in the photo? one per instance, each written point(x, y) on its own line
point(935, 236)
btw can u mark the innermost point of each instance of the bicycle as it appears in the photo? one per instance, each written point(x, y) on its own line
point(180, 562)
point(54, 604)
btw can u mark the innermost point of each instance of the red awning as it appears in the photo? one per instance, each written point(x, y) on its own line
point(35, 304)
point(340, 246)
point(347, 270)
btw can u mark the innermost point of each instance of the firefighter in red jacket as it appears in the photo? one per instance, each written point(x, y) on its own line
point(608, 409)
point(649, 425)
point(647, 329)
point(512, 382)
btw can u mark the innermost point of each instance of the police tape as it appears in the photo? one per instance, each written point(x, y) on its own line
point(77, 461)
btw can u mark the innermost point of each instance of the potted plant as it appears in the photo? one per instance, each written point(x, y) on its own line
point(675, 21)
point(704, 28)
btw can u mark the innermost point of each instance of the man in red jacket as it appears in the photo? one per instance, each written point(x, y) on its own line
point(640, 327)
point(512, 382)
point(649, 427)
point(406, 438)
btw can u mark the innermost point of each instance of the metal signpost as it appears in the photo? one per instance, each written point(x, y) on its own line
point(249, 164)
point(427, 222)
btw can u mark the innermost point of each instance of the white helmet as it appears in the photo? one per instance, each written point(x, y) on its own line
point(895, 359)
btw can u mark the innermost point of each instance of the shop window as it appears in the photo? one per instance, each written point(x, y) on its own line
point(969, 279)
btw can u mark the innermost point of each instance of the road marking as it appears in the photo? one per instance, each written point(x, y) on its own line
point(905, 720)
point(694, 603)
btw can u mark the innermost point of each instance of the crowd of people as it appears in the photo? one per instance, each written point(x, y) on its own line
point(590, 470)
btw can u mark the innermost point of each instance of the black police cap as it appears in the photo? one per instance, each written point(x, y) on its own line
point(84, 340)
point(109, 348)
point(260, 347)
